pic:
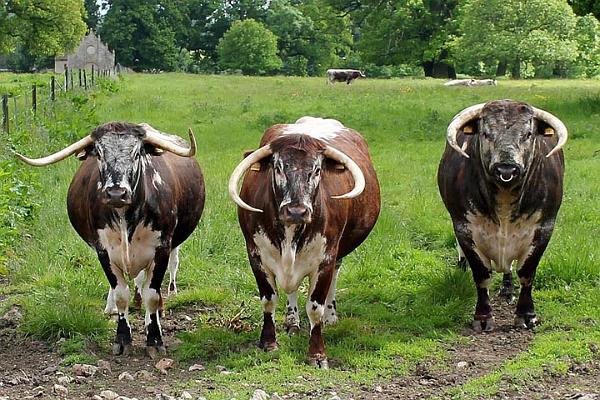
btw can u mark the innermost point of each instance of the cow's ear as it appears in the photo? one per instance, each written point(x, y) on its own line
point(83, 154)
point(152, 150)
point(544, 129)
point(470, 128)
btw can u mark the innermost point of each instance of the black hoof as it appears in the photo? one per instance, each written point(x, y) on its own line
point(483, 325)
point(121, 349)
point(319, 361)
point(292, 329)
point(153, 351)
point(268, 346)
point(527, 321)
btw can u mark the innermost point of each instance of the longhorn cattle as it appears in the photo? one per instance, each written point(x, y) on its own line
point(314, 197)
point(471, 82)
point(343, 75)
point(503, 187)
point(136, 197)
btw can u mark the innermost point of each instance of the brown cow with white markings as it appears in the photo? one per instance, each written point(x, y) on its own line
point(136, 197)
point(503, 187)
point(310, 196)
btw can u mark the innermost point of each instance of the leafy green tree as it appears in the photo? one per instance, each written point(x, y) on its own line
point(294, 32)
point(587, 35)
point(512, 32)
point(141, 33)
point(395, 32)
point(248, 45)
point(584, 7)
point(92, 17)
point(43, 27)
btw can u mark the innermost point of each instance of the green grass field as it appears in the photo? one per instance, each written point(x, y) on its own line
point(401, 296)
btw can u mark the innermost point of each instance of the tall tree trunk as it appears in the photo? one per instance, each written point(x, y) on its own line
point(515, 70)
point(501, 69)
point(438, 69)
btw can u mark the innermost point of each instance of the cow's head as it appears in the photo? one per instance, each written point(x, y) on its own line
point(508, 136)
point(119, 149)
point(295, 163)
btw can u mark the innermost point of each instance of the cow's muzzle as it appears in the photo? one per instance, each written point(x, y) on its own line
point(117, 197)
point(506, 174)
point(295, 215)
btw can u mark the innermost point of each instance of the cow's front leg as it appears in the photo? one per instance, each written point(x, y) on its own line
point(525, 312)
point(483, 319)
point(119, 294)
point(268, 300)
point(292, 317)
point(330, 314)
point(320, 282)
point(173, 266)
point(153, 302)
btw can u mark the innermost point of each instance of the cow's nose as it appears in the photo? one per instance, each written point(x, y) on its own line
point(296, 214)
point(117, 195)
point(506, 172)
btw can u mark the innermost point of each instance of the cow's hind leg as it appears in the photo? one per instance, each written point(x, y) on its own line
point(292, 317)
point(330, 313)
point(507, 292)
point(315, 308)
point(153, 302)
point(173, 266)
point(462, 260)
point(268, 299)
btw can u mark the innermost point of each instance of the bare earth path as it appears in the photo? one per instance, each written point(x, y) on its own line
point(30, 369)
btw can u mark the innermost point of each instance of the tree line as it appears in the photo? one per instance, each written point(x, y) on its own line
point(438, 38)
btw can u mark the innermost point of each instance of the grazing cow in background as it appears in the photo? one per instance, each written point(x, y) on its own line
point(484, 82)
point(503, 187)
point(343, 75)
point(136, 197)
point(317, 199)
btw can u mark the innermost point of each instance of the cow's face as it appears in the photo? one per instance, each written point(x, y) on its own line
point(507, 133)
point(296, 176)
point(119, 159)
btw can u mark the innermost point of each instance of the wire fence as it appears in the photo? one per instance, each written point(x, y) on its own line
point(24, 108)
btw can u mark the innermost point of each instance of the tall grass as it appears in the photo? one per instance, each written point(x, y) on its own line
point(400, 294)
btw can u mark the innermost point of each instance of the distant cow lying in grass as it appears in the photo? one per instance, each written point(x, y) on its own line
point(343, 75)
point(471, 82)
point(136, 197)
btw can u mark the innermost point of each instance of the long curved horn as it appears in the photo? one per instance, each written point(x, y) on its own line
point(241, 168)
point(60, 155)
point(162, 141)
point(557, 124)
point(357, 175)
point(458, 121)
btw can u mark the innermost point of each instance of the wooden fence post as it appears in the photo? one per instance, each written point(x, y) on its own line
point(92, 74)
point(72, 86)
point(52, 88)
point(66, 78)
point(80, 81)
point(5, 113)
point(34, 98)
point(84, 80)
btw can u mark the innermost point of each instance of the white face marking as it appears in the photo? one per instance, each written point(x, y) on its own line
point(498, 245)
point(134, 256)
point(319, 128)
point(288, 266)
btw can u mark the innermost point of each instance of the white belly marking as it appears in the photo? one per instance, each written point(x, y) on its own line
point(498, 244)
point(288, 266)
point(133, 256)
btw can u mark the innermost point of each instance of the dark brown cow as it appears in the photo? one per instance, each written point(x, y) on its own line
point(136, 197)
point(503, 188)
point(343, 75)
point(304, 224)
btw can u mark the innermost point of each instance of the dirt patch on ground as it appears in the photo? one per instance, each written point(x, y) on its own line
point(31, 369)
